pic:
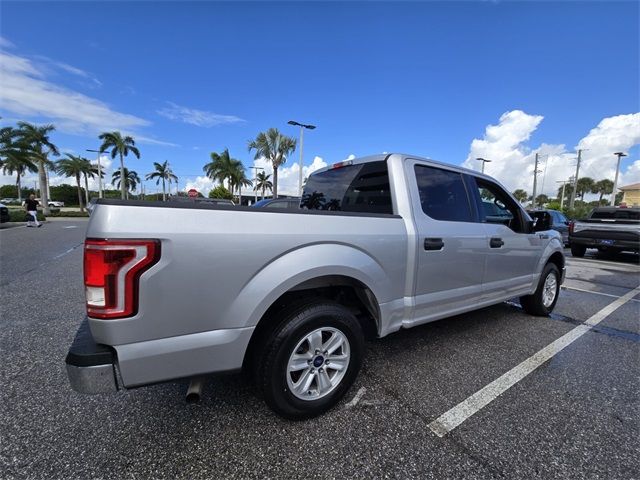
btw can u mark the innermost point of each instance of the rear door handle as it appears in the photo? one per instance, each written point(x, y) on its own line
point(433, 244)
point(496, 242)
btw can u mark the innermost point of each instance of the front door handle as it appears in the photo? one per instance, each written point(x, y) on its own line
point(433, 244)
point(496, 242)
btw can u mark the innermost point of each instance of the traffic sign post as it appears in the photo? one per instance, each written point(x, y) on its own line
point(193, 193)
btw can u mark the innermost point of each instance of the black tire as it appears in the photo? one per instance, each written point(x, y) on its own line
point(534, 304)
point(578, 250)
point(297, 322)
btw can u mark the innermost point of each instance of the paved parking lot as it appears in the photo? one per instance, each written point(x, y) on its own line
point(575, 416)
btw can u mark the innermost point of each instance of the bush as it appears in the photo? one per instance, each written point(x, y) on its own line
point(16, 215)
point(68, 214)
point(220, 192)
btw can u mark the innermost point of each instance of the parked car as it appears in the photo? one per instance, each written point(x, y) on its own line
point(557, 220)
point(280, 203)
point(55, 203)
point(4, 213)
point(611, 229)
point(9, 201)
point(179, 290)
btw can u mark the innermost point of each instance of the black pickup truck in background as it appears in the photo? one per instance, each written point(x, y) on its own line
point(611, 229)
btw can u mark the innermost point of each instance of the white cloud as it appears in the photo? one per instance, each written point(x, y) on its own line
point(192, 116)
point(288, 176)
point(351, 157)
point(512, 161)
point(4, 43)
point(202, 184)
point(26, 93)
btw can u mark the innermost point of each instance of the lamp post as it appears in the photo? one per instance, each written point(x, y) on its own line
point(302, 127)
point(255, 181)
point(615, 181)
point(564, 184)
point(483, 160)
point(99, 172)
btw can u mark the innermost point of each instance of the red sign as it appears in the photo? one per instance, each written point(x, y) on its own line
point(192, 193)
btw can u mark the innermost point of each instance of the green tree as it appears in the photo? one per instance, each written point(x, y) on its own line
point(239, 180)
point(131, 180)
point(263, 183)
point(520, 195)
point(541, 200)
point(120, 146)
point(603, 187)
point(73, 166)
point(585, 185)
point(35, 140)
point(222, 168)
point(275, 147)
point(220, 192)
point(14, 159)
point(162, 173)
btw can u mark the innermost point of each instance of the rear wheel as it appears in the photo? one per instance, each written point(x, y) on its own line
point(310, 359)
point(578, 250)
point(543, 300)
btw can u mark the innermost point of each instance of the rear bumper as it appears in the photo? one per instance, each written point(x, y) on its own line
point(598, 242)
point(90, 366)
point(95, 368)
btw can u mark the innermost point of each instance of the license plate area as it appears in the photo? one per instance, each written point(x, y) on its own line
point(606, 242)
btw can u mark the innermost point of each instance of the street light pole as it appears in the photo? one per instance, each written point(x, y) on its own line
point(99, 172)
point(302, 127)
point(483, 160)
point(535, 181)
point(615, 181)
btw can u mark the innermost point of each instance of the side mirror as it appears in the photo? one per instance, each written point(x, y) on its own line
point(542, 222)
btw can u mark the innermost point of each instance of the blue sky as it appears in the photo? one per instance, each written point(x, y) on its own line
point(421, 77)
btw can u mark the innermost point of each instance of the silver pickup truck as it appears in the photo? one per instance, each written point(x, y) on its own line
point(180, 290)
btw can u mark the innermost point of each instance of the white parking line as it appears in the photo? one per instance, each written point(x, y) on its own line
point(596, 293)
point(465, 409)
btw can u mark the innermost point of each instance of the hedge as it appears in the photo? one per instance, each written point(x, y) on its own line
point(21, 216)
point(68, 214)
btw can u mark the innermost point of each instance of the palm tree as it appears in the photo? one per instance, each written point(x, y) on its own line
point(90, 171)
point(585, 185)
point(222, 167)
point(13, 158)
point(263, 183)
point(73, 166)
point(603, 187)
point(239, 179)
point(35, 139)
point(163, 172)
point(520, 195)
point(121, 146)
point(131, 180)
point(275, 147)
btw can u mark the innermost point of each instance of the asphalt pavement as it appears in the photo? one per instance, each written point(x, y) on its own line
point(575, 416)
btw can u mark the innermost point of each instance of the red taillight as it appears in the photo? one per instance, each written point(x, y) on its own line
point(112, 270)
point(571, 224)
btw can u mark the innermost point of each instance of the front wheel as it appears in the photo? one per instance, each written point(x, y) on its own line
point(310, 360)
point(543, 300)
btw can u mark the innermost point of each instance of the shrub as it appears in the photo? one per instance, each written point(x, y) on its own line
point(16, 215)
point(69, 214)
point(220, 192)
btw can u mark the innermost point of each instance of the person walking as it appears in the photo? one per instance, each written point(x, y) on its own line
point(31, 206)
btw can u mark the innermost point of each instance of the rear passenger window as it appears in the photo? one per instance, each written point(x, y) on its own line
point(352, 188)
point(443, 195)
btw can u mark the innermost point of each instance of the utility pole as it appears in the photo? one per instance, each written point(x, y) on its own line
point(575, 183)
point(255, 181)
point(564, 184)
point(535, 182)
point(615, 182)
